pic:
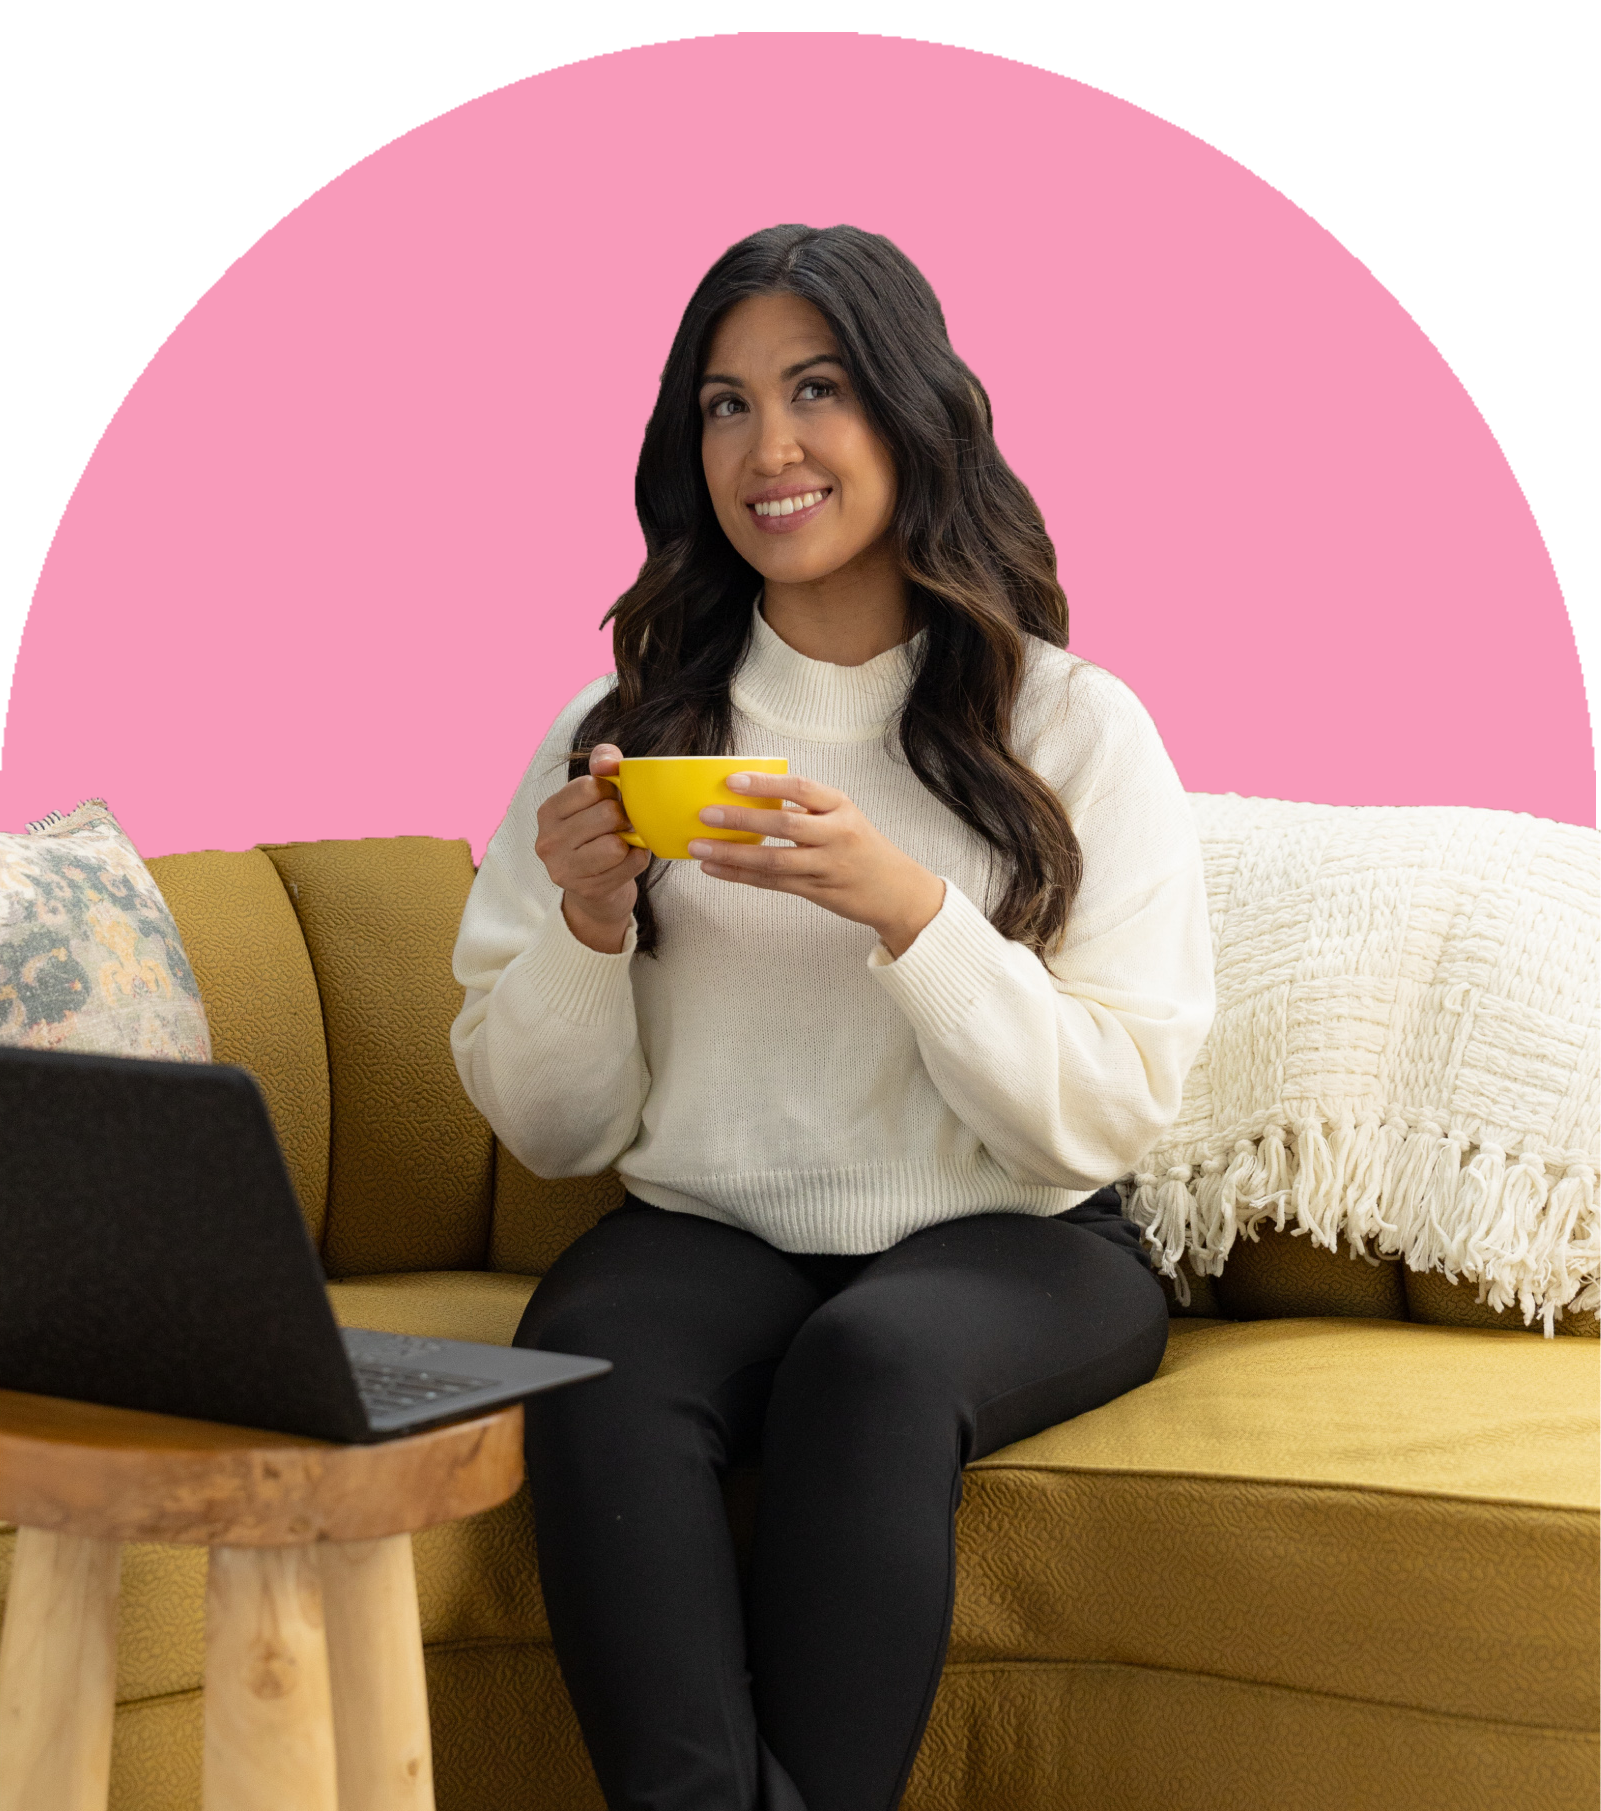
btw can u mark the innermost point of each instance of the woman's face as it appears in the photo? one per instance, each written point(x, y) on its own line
point(801, 484)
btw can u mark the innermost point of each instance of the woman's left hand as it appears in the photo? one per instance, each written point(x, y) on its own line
point(839, 861)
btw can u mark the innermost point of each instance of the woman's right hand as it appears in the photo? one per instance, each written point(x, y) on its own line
point(584, 856)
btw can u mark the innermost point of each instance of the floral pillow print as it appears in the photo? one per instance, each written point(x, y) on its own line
point(90, 958)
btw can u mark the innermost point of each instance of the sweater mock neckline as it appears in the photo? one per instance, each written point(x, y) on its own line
point(814, 700)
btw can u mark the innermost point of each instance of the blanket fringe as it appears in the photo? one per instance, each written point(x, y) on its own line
point(1524, 1229)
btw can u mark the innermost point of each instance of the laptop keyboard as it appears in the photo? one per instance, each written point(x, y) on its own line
point(385, 1388)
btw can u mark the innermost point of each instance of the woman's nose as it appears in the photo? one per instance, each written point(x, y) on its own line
point(776, 446)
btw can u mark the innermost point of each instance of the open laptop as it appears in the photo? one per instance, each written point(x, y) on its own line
point(152, 1256)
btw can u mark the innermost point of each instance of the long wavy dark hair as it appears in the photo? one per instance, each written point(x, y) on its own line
point(979, 566)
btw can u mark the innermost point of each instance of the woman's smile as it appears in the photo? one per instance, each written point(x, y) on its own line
point(783, 512)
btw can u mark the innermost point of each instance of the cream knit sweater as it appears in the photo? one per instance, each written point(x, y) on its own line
point(773, 1068)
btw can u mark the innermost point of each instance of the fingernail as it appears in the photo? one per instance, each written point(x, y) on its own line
point(711, 815)
point(701, 848)
point(739, 782)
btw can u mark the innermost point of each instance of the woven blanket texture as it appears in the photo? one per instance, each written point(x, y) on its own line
point(1406, 1048)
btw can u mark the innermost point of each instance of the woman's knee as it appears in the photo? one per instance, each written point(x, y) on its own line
point(856, 1356)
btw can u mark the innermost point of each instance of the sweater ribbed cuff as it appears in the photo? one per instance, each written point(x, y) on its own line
point(951, 965)
point(576, 983)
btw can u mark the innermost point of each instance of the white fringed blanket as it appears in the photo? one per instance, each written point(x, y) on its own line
point(1406, 1049)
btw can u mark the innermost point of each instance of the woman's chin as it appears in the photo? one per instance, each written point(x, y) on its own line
point(791, 562)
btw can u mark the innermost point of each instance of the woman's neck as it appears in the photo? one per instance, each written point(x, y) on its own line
point(848, 618)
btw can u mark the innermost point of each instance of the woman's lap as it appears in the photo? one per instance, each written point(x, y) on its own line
point(680, 1295)
point(1025, 1321)
point(1020, 1317)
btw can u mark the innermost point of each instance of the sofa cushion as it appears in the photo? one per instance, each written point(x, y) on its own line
point(1435, 1298)
point(1400, 1513)
point(409, 1161)
point(1280, 1274)
point(436, 1304)
point(1396, 1513)
point(1277, 1275)
point(90, 958)
point(1093, 1736)
point(261, 1001)
point(535, 1220)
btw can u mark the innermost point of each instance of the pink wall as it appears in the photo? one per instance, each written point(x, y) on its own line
point(342, 553)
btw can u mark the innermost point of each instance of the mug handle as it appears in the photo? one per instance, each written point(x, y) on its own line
point(628, 836)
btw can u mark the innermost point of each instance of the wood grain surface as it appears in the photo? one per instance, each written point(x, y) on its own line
point(269, 1742)
point(58, 1673)
point(123, 1475)
point(375, 1666)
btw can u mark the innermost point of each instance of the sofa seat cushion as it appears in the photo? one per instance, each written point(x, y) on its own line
point(483, 1305)
point(1400, 1514)
point(1272, 1543)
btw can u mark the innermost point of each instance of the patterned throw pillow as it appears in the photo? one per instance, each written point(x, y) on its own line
point(90, 958)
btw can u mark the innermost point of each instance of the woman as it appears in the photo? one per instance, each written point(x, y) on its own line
point(865, 1090)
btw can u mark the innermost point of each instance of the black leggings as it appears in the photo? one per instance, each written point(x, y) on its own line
point(864, 1385)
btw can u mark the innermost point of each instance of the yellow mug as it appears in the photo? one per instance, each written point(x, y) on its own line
point(664, 796)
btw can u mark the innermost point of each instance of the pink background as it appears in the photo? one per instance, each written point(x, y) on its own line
point(343, 552)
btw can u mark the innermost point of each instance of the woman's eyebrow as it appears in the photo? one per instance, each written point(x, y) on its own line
point(817, 358)
point(789, 371)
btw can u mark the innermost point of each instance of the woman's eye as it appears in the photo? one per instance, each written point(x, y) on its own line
point(820, 385)
point(724, 406)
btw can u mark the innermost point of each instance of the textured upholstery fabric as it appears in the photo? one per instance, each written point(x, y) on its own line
point(535, 1221)
point(1435, 1298)
point(436, 1304)
point(1103, 1737)
point(1331, 1402)
point(1014, 1737)
point(1281, 1274)
point(155, 1755)
point(477, 1691)
point(1373, 1510)
point(410, 1159)
point(260, 995)
point(1278, 1274)
point(1201, 1293)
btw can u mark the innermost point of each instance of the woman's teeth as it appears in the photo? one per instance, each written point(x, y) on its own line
point(786, 506)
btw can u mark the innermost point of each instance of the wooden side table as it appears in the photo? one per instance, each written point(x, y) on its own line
point(314, 1690)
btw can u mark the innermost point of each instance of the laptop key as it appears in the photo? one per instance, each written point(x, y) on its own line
point(385, 1388)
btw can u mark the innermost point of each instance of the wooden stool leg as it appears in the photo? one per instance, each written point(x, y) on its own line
point(269, 1719)
point(58, 1673)
point(375, 1660)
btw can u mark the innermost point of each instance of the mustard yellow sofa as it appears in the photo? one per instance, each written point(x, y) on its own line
point(1341, 1551)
